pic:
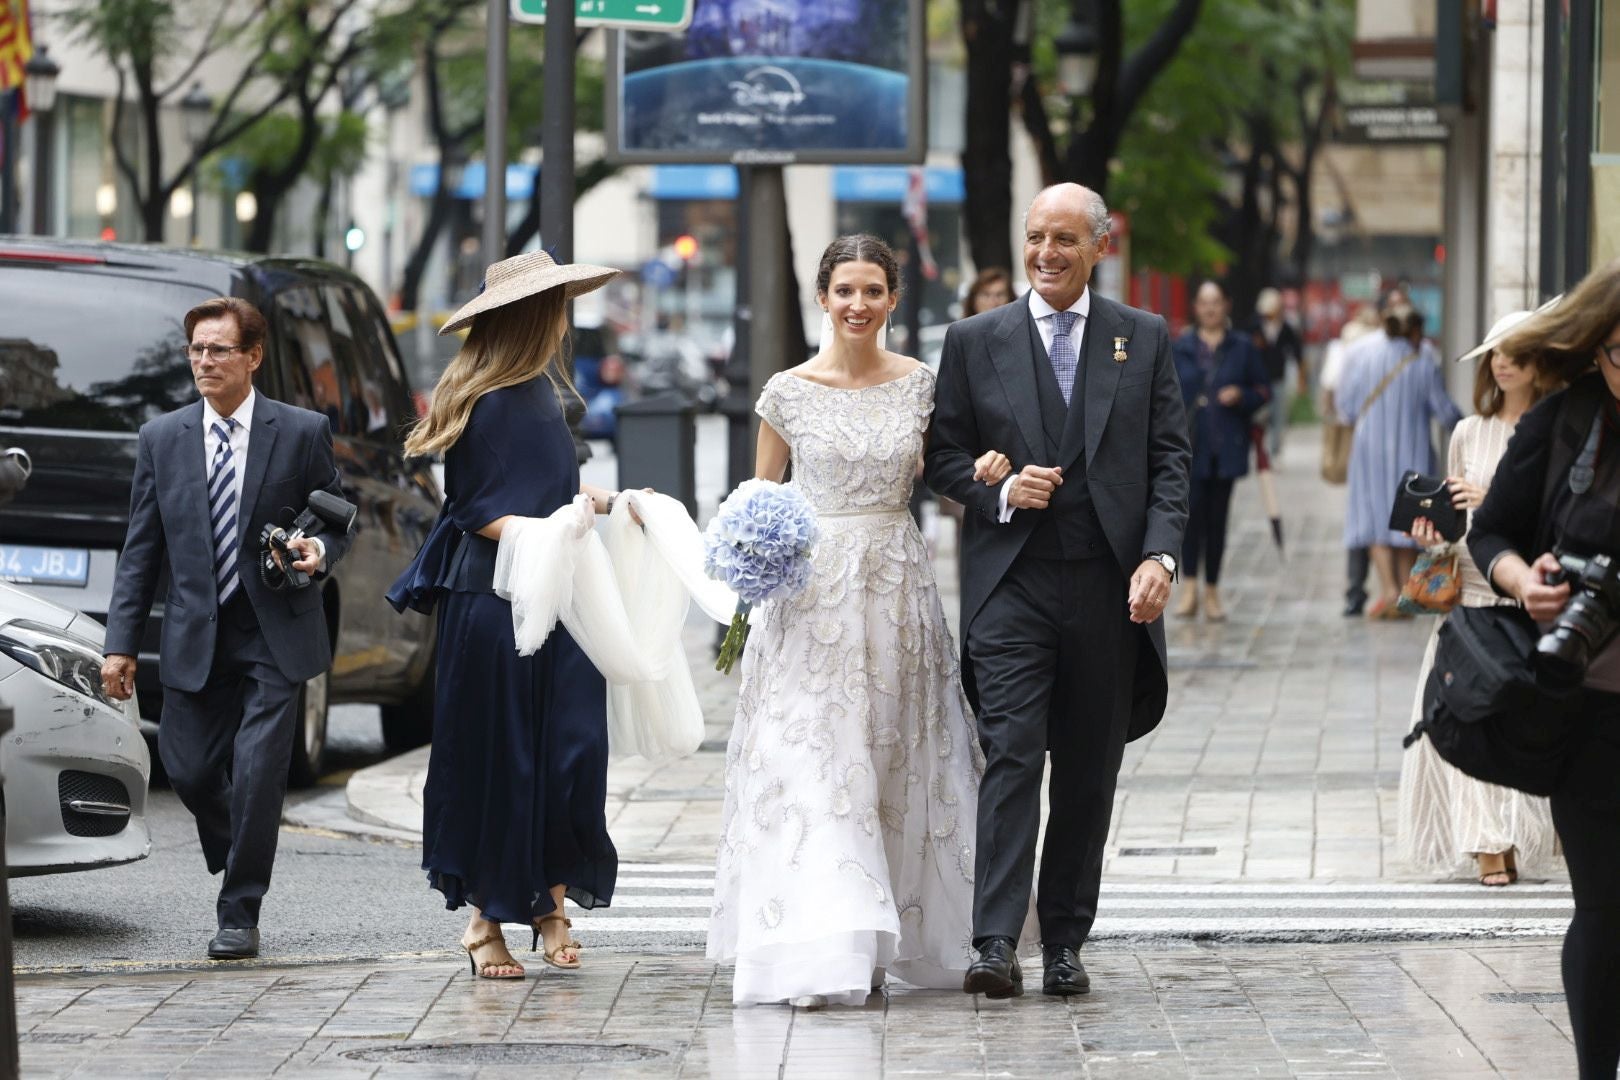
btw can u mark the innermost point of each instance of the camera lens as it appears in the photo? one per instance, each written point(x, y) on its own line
point(1561, 658)
point(1565, 651)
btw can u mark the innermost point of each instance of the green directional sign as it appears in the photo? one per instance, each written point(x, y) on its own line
point(624, 14)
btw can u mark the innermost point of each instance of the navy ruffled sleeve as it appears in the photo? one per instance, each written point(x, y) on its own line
point(516, 456)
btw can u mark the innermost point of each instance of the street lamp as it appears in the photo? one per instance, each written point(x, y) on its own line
point(1077, 49)
point(197, 113)
point(39, 81)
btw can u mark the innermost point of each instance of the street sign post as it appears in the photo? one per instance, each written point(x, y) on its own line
point(667, 15)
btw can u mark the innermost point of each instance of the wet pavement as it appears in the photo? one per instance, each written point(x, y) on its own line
point(1423, 1011)
point(1255, 919)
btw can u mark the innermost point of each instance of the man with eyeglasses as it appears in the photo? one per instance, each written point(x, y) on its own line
point(235, 653)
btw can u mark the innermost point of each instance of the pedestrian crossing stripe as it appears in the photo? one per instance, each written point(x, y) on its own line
point(668, 903)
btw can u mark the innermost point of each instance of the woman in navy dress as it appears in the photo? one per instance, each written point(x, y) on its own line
point(514, 811)
point(1223, 383)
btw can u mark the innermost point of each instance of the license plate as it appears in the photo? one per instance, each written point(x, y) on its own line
point(22, 564)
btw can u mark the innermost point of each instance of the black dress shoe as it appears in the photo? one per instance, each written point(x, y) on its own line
point(1065, 974)
point(995, 974)
point(235, 944)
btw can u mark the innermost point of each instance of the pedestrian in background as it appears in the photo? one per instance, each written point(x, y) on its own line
point(1392, 394)
point(1361, 326)
point(1358, 560)
point(992, 288)
point(514, 811)
point(1279, 346)
point(1222, 385)
point(1446, 817)
point(1557, 488)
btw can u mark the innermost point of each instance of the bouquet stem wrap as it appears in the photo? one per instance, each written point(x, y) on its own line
point(731, 648)
point(624, 602)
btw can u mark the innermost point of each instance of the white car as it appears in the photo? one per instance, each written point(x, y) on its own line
point(75, 763)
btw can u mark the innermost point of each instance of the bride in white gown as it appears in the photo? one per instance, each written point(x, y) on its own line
point(853, 770)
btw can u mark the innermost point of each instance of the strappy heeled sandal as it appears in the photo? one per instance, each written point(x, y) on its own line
point(483, 970)
point(573, 943)
point(550, 955)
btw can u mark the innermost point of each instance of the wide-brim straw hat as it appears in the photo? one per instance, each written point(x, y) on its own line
point(522, 276)
point(1501, 327)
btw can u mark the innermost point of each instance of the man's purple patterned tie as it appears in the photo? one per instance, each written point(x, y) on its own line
point(1064, 358)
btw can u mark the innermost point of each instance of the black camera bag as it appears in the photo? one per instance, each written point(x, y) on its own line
point(1484, 710)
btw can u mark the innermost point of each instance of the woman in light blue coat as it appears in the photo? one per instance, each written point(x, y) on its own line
point(1394, 435)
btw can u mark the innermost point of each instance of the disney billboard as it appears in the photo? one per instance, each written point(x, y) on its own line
point(773, 82)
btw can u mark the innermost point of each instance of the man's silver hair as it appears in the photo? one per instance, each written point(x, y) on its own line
point(1096, 211)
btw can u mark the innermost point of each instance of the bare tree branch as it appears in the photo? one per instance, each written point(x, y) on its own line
point(1150, 59)
point(210, 41)
point(121, 158)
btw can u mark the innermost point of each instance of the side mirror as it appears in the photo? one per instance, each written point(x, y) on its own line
point(15, 468)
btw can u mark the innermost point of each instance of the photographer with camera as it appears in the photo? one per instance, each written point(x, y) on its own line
point(243, 627)
point(1544, 535)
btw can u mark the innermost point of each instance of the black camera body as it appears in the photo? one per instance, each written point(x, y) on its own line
point(325, 512)
point(1586, 624)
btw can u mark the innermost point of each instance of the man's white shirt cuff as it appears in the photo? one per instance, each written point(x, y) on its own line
point(320, 564)
point(1007, 511)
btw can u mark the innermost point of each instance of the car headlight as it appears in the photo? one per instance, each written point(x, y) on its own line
point(57, 655)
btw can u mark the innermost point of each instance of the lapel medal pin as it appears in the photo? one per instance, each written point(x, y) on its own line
point(1119, 349)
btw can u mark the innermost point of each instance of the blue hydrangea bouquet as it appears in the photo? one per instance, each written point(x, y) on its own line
point(758, 544)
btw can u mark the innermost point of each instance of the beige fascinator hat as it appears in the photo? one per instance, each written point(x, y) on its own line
point(522, 276)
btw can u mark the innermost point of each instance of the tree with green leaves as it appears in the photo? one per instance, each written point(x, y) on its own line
point(1216, 151)
point(289, 51)
point(446, 42)
point(1009, 47)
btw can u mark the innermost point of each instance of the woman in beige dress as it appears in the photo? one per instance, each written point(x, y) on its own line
point(1446, 817)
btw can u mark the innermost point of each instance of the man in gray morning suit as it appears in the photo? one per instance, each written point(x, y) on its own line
point(208, 477)
point(1066, 570)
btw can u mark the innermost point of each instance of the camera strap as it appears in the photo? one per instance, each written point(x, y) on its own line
point(1584, 471)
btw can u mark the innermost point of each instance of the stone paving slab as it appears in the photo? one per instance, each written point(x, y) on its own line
point(1423, 1011)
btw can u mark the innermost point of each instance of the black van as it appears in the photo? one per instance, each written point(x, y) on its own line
point(92, 346)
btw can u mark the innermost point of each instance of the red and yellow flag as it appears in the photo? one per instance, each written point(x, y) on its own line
point(16, 46)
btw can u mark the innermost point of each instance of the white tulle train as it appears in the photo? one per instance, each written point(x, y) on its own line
point(624, 600)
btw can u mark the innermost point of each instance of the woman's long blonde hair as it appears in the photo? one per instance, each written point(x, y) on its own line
point(1563, 340)
point(506, 346)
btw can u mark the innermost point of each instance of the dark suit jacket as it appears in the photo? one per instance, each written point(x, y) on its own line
point(1134, 441)
point(289, 455)
point(1221, 432)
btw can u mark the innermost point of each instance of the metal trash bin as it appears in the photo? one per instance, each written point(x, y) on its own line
point(656, 441)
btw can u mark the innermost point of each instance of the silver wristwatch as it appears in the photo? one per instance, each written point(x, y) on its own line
point(1164, 560)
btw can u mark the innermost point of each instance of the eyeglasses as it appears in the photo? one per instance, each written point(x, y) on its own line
point(1611, 353)
point(218, 353)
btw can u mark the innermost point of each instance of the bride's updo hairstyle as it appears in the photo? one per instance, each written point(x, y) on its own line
point(858, 247)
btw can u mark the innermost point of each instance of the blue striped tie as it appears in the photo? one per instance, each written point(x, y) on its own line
point(222, 510)
point(1064, 359)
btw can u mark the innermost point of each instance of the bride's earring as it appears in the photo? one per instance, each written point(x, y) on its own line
point(826, 331)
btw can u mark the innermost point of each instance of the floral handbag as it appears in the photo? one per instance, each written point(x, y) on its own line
point(1434, 587)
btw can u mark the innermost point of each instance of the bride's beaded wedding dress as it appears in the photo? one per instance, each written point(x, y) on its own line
point(852, 773)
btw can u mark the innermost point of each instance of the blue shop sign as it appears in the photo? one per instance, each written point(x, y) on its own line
point(887, 183)
point(520, 181)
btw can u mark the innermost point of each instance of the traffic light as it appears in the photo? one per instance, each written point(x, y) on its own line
point(686, 246)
